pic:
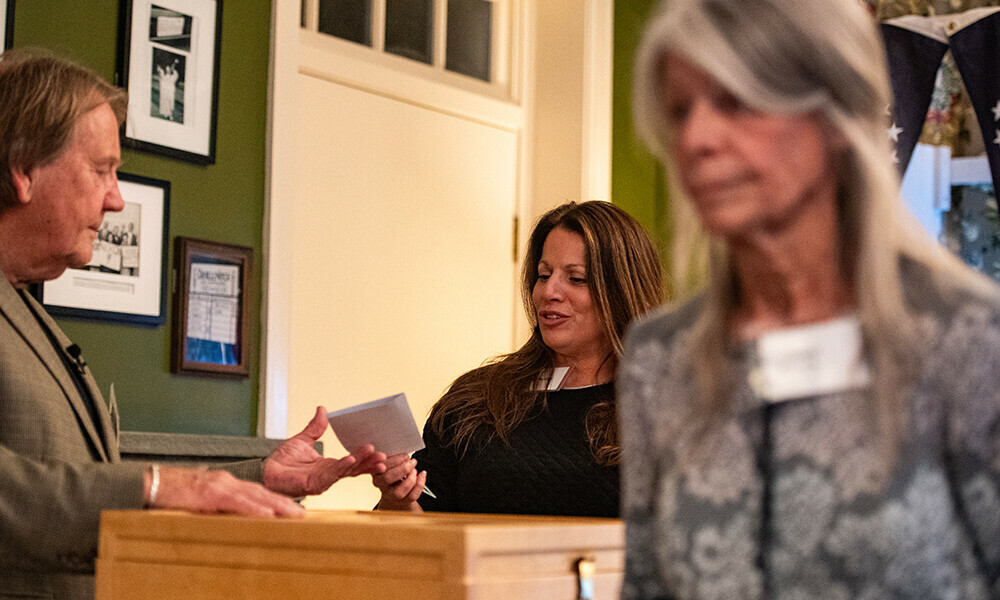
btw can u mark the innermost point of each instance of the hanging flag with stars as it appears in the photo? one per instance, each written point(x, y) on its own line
point(915, 47)
point(976, 48)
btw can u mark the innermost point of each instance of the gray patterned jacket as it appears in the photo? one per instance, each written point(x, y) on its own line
point(835, 524)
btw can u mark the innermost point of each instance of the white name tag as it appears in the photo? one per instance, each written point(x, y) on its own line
point(552, 381)
point(810, 360)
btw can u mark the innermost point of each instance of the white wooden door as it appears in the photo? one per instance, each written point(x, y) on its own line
point(403, 275)
point(392, 199)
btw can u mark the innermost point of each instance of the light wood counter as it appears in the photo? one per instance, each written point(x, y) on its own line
point(347, 555)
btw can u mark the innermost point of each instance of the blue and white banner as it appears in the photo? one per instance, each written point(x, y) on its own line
point(914, 58)
point(915, 46)
point(976, 48)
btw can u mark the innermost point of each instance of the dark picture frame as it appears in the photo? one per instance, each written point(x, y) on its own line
point(211, 308)
point(7, 23)
point(168, 60)
point(126, 280)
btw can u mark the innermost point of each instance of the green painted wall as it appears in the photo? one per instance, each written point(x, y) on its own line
point(225, 201)
point(637, 183)
point(222, 202)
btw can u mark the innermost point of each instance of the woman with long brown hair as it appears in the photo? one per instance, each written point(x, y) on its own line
point(535, 431)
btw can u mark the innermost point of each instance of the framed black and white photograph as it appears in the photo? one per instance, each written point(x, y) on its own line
point(125, 280)
point(211, 308)
point(7, 23)
point(168, 60)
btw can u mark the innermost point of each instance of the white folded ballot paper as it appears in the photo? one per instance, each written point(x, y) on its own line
point(386, 423)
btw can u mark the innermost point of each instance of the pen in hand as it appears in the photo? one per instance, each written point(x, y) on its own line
point(428, 491)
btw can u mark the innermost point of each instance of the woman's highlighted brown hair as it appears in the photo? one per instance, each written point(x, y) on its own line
point(625, 281)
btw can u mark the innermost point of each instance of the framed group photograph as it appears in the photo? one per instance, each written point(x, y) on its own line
point(125, 280)
point(211, 314)
point(7, 23)
point(168, 60)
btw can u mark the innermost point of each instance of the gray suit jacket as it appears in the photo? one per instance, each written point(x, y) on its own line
point(59, 462)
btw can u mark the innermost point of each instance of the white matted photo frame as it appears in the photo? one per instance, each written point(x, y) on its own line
point(126, 280)
point(168, 60)
point(6, 23)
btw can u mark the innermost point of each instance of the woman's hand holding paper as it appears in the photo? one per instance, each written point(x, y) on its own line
point(401, 484)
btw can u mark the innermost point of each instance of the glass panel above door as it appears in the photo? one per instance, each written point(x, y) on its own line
point(350, 20)
point(409, 29)
point(469, 38)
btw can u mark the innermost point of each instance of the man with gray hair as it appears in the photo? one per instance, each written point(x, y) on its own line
point(59, 459)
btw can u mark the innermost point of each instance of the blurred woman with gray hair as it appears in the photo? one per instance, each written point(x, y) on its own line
point(822, 420)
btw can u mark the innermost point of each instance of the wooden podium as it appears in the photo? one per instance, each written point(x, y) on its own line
point(348, 555)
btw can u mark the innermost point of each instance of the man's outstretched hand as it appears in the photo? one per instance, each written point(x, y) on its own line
point(296, 469)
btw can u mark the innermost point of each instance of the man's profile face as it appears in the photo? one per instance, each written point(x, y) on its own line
point(75, 190)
